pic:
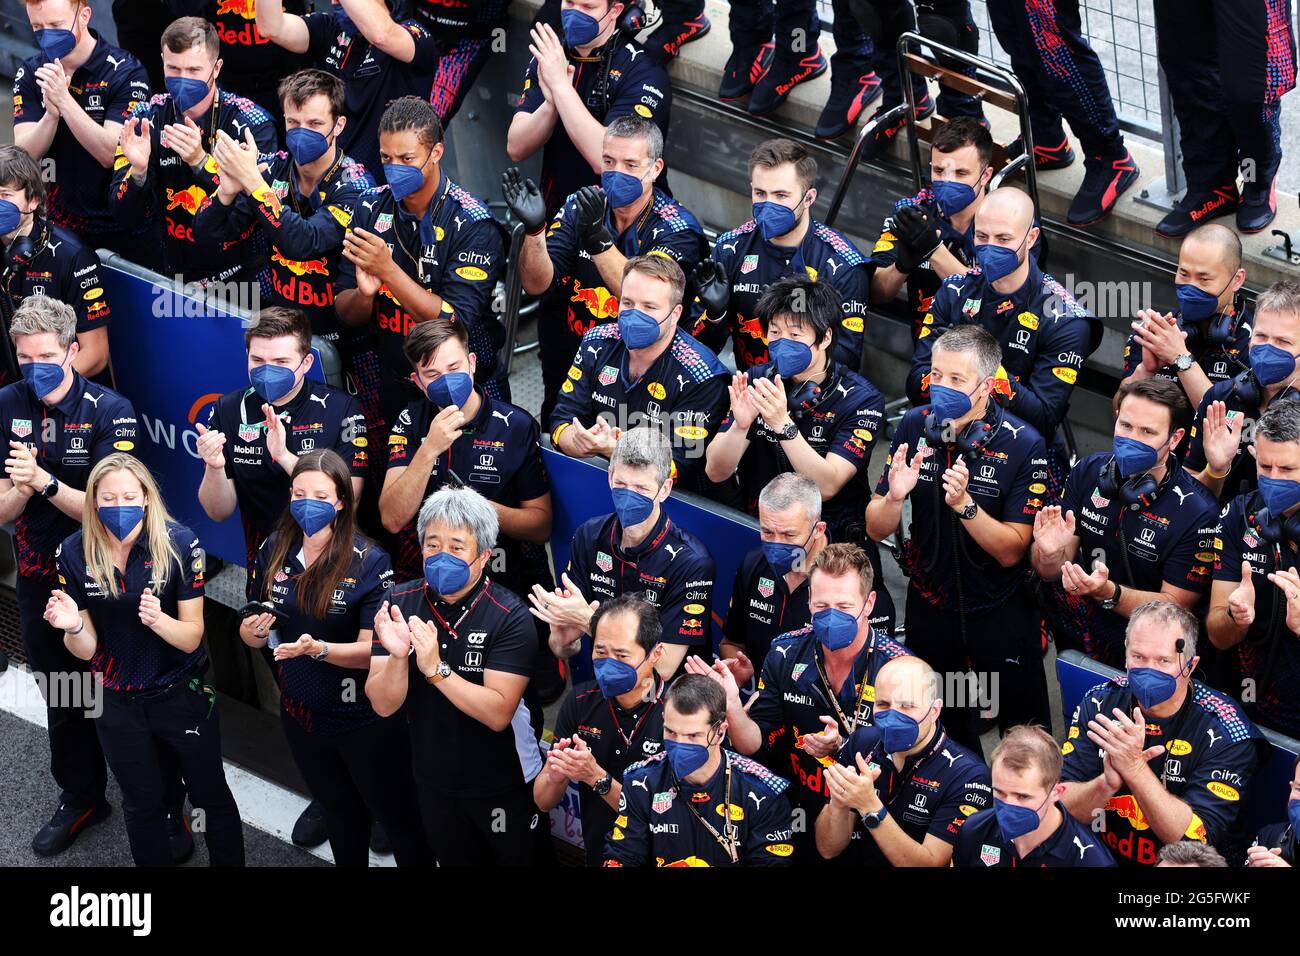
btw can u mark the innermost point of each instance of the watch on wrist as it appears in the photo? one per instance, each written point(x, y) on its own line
point(603, 785)
point(873, 820)
point(786, 433)
point(442, 672)
point(51, 488)
point(1184, 362)
point(324, 652)
point(1110, 602)
point(968, 512)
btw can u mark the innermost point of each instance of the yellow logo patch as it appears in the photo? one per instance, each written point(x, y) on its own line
point(693, 432)
point(853, 323)
point(123, 445)
point(472, 273)
point(657, 391)
point(1067, 375)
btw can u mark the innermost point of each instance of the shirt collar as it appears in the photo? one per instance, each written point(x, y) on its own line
point(428, 235)
point(652, 540)
point(452, 611)
point(73, 398)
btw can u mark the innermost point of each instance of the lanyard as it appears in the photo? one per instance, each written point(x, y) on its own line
point(324, 181)
point(628, 738)
point(431, 214)
point(834, 699)
point(451, 628)
point(730, 841)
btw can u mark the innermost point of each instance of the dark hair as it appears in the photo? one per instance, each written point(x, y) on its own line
point(648, 626)
point(817, 304)
point(659, 267)
point(412, 113)
point(316, 585)
point(778, 152)
point(692, 693)
point(19, 170)
point(964, 131)
point(297, 88)
point(188, 32)
point(1162, 391)
point(427, 337)
point(277, 320)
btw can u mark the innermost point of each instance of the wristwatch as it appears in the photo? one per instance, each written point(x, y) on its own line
point(785, 434)
point(51, 488)
point(1184, 362)
point(1110, 602)
point(873, 820)
point(603, 785)
point(324, 652)
point(968, 512)
point(442, 672)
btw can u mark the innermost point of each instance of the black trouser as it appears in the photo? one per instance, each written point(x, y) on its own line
point(1228, 63)
point(505, 829)
point(1004, 642)
point(359, 774)
point(136, 729)
point(792, 24)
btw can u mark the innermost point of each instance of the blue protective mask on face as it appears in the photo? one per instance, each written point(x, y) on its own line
point(1293, 815)
point(43, 377)
point(403, 180)
point(1132, 456)
point(783, 557)
point(1271, 364)
point(621, 189)
point(789, 357)
point(56, 43)
point(312, 514)
point(579, 28)
point(948, 404)
point(273, 382)
point(445, 573)
point(638, 330)
point(1150, 686)
point(899, 732)
point(454, 388)
point(1194, 303)
point(632, 507)
point(686, 758)
point(996, 262)
point(11, 217)
point(186, 92)
point(834, 629)
point(1279, 494)
point(774, 219)
point(120, 520)
point(305, 145)
point(614, 677)
point(1016, 821)
point(952, 197)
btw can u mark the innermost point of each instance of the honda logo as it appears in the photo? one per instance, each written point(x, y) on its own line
point(485, 460)
point(474, 659)
point(308, 444)
point(1022, 336)
point(987, 471)
point(76, 444)
point(1148, 535)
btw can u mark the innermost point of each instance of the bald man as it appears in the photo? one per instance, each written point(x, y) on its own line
point(1044, 333)
point(905, 788)
point(1206, 339)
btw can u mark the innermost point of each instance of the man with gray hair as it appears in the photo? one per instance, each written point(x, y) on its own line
point(976, 476)
point(1225, 423)
point(1159, 756)
point(55, 425)
point(457, 649)
point(637, 548)
point(577, 264)
point(1255, 598)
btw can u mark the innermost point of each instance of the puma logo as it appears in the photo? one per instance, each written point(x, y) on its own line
point(729, 246)
point(1182, 495)
point(758, 801)
point(672, 551)
point(592, 350)
point(681, 383)
point(1214, 738)
point(1096, 703)
point(115, 61)
point(946, 753)
point(319, 398)
point(1082, 848)
point(94, 399)
point(640, 782)
point(1014, 429)
point(833, 266)
point(505, 418)
point(459, 222)
point(54, 246)
point(654, 233)
point(1013, 660)
point(782, 649)
point(842, 389)
point(237, 125)
point(360, 552)
point(368, 205)
point(195, 732)
point(634, 52)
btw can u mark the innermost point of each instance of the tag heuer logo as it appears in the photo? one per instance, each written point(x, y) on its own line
point(21, 427)
point(1250, 540)
point(797, 672)
point(990, 855)
point(604, 561)
point(247, 432)
point(749, 264)
point(1097, 500)
point(661, 802)
point(766, 587)
point(383, 222)
point(607, 375)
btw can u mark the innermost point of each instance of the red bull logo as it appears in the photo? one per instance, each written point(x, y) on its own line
point(1125, 806)
point(598, 300)
point(189, 199)
point(307, 267)
point(753, 328)
point(244, 8)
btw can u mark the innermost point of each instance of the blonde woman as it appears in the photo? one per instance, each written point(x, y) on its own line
point(130, 601)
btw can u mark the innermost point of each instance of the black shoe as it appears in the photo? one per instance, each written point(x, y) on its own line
point(1199, 206)
point(309, 830)
point(924, 106)
point(1104, 181)
point(883, 138)
point(65, 826)
point(1046, 158)
point(667, 40)
point(745, 68)
point(179, 837)
point(1258, 209)
point(379, 840)
point(849, 97)
point(771, 91)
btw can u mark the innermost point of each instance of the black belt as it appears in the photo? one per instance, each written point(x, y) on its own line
point(156, 693)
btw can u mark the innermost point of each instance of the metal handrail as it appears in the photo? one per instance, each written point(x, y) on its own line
point(514, 283)
point(855, 156)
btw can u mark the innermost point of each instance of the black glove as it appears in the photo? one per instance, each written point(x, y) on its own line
point(713, 288)
point(589, 203)
point(918, 236)
point(525, 200)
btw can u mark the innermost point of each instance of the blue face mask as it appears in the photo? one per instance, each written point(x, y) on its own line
point(1279, 494)
point(43, 377)
point(774, 219)
point(614, 677)
point(686, 758)
point(403, 180)
point(899, 732)
point(120, 520)
point(785, 558)
point(1194, 303)
point(579, 28)
point(454, 388)
point(1271, 364)
point(952, 196)
point(639, 330)
point(621, 189)
point(56, 43)
point(11, 217)
point(834, 629)
point(1150, 686)
point(273, 382)
point(312, 515)
point(996, 262)
point(1133, 456)
point(789, 357)
point(1293, 815)
point(632, 507)
point(445, 573)
point(186, 92)
point(948, 404)
point(1016, 821)
point(305, 145)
